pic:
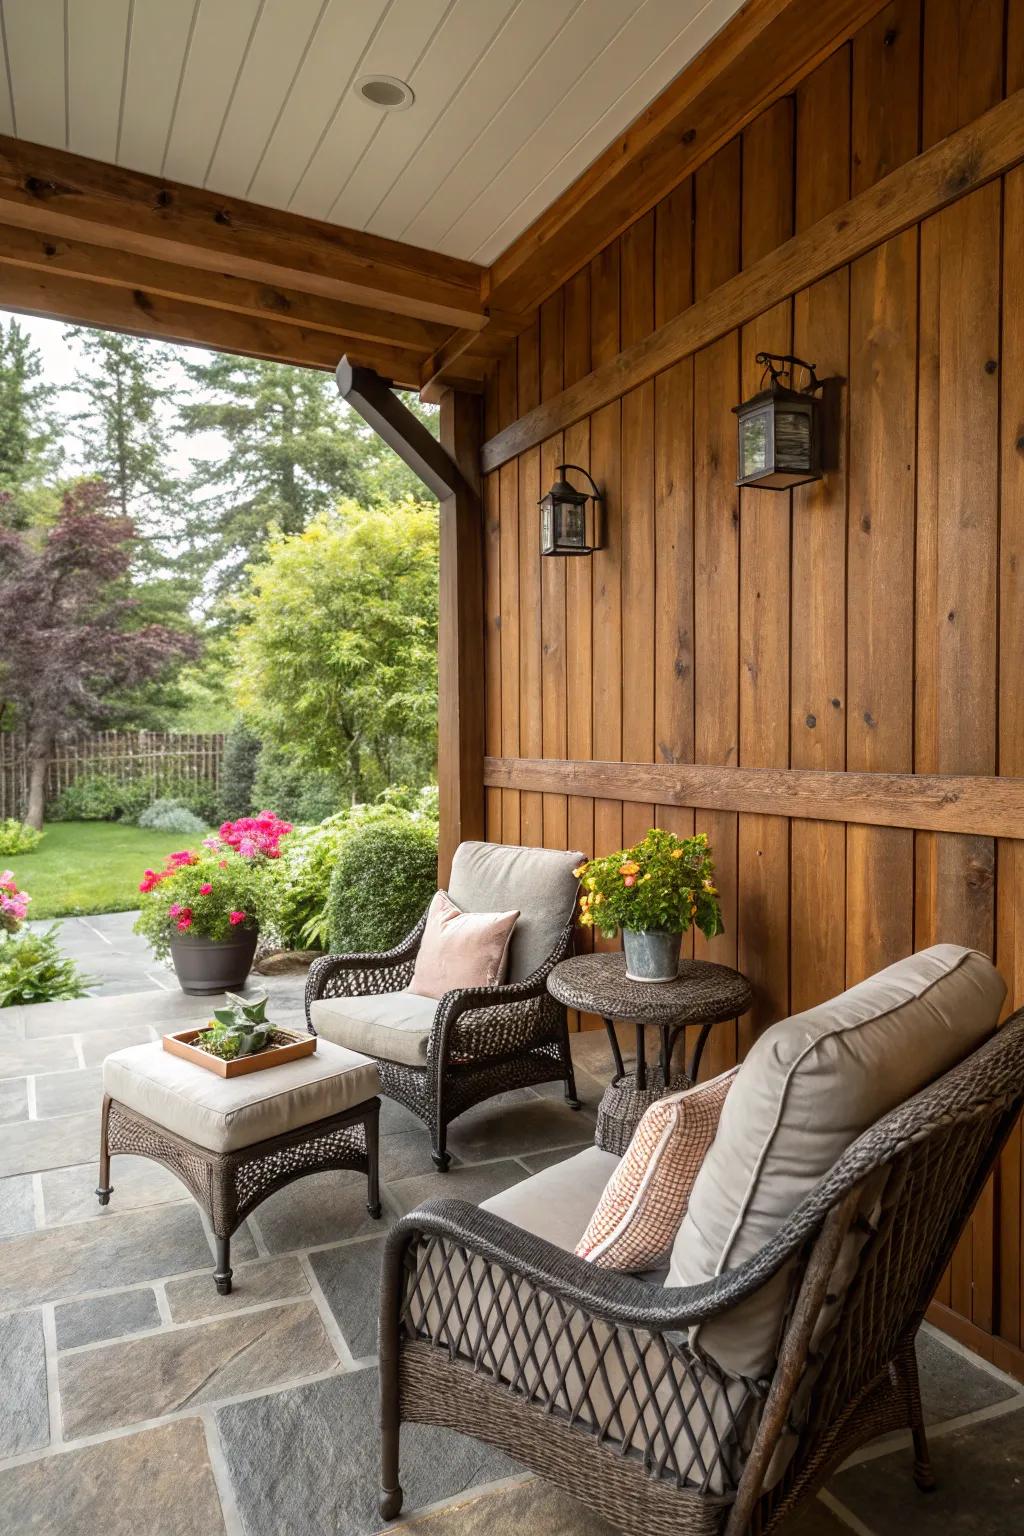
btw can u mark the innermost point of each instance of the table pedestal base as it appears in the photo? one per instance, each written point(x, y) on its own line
point(623, 1106)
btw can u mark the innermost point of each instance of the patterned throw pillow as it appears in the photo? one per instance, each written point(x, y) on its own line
point(644, 1201)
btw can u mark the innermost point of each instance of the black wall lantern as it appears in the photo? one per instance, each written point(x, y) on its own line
point(563, 517)
point(780, 428)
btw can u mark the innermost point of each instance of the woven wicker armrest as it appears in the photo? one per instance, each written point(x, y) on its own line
point(388, 970)
point(621, 1300)
point(493, 1022)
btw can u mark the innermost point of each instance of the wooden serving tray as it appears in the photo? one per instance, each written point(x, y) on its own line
point(180, 1044)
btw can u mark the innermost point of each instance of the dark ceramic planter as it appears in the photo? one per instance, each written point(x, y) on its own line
point(206, 966)
point(651, 955)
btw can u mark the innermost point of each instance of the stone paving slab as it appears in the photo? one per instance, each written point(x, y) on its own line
point(475, 1182)
point(62, 1262)
point(157, 1483)
point(13, 1100)
point(33, 1145)
point(192, 1297)
point(69, 1194)
point(324, 1208)
point(69, 1093)
point(106, 1317)
point(20, 1057)
point(951, 1385)
point(24, 1405)
point(489, 1130)
point(349, 1277)
point(17, 1206)
point(979, 1473)
point(324, 1480)
point(123, 1383)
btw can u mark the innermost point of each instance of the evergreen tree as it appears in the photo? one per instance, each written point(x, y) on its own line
point(124, 430)
point(28, 449)
point(293, 451)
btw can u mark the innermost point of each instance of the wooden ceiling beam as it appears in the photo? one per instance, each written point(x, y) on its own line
point(263, 301)
point(57, 193)
point(80, 302)
point(759, 55)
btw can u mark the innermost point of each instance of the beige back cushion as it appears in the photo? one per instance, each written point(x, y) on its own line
point(538, 883)
point(809, 1087)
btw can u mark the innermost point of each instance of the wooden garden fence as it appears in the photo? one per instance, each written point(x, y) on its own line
point(164, 756)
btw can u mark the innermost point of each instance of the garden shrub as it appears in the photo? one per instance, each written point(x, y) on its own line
point(301, 794)
point(16, 837)
point(171, 816)
point(101, 797)
point(384, 878)
point(238, 770)
point(33, 970)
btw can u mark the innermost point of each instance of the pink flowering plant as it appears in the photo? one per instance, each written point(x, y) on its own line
point(13, 903)
point(227, 884)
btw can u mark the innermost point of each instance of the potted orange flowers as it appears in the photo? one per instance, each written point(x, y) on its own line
point(653, 893)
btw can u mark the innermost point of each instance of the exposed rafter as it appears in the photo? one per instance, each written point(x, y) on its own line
point(57, 193)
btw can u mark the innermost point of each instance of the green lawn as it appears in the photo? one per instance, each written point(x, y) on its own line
point(90, 866)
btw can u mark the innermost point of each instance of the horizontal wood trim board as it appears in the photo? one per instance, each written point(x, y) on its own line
point(986, 148)
point(986, 807)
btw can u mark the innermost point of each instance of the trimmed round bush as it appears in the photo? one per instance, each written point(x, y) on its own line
point(382, 883)
point(171, 816)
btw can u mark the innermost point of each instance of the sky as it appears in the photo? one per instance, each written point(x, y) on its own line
point(61, 362)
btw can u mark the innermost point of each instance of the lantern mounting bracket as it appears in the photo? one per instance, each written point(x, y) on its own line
point(561, 468)
point(778, 365)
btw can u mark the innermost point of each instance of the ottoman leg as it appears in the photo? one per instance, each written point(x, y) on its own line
point(372, 1128)
point(104, 1188)
point(222, 1274)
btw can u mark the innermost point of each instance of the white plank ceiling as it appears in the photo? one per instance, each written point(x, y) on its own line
point(256, 99)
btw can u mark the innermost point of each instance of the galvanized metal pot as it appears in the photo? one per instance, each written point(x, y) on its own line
point(205, 966)
point(651, 954)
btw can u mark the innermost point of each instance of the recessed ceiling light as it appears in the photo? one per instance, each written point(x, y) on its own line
point(385, 92)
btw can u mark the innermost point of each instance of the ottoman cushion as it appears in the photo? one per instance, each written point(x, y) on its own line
point(224, 1114)
point(392, 1025)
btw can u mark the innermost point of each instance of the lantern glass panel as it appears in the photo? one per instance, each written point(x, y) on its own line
point(755, 442)
point(547, 526)
point(793, 440)
point(573, 531)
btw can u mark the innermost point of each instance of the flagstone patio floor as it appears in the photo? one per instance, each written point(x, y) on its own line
point(134, 1401)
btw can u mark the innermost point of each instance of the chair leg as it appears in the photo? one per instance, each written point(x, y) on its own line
point(568, 1071)
point(104, 1188)
point(924, 1476)
point(439, 1152)
point(372, 1128)
point(222, 1274)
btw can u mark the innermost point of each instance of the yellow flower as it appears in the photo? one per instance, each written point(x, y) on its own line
point(709, 888)
point(582, 870)
point(693, 909)
point(629, 867)
point(599, 898)
point(677, 853)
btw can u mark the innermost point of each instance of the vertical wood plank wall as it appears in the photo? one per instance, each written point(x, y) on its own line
point(872, 621)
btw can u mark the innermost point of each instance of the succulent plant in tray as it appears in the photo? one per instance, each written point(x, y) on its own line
point(240, 1029)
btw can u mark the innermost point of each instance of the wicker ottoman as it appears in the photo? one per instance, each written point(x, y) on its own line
point(234, 1140)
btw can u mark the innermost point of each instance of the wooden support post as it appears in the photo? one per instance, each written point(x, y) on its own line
point(460, 746)
point(451, 469)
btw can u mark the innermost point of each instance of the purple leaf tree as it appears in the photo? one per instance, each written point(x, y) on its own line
point(71, 646)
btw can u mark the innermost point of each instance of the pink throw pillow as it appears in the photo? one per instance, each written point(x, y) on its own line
point(645, 1200)
point(461, 949)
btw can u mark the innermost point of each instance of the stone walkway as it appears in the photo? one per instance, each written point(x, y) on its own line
point(116, 960)
point(136, 1402)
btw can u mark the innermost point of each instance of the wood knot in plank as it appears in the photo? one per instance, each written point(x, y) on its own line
point(963, 176)
point(36, 186)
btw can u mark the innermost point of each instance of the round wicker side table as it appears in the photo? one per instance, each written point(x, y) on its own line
point(703, 993)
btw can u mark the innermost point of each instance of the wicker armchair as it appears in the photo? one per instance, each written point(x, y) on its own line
point(476, 1042)
point(588, 1377)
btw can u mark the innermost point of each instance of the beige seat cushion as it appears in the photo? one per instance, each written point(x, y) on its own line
point(809, 1087)
point(558, 1202)
point(226, 1113)
point(392, 1025)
